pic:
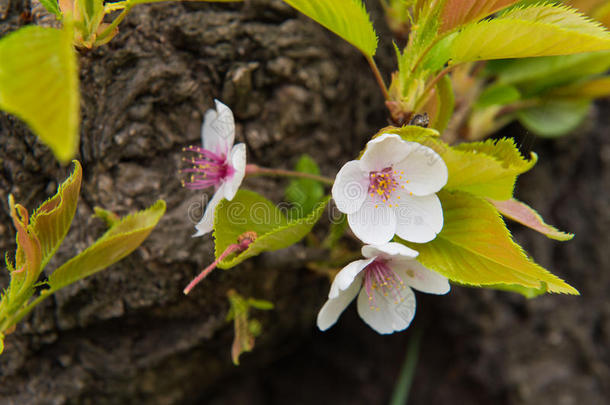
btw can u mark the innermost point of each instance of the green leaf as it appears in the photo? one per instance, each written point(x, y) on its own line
point(593, 88)
point(554, 117)
point(260, 304)
point(119, 241)
point(51, 6)
point(243, 341)
point(51, 221)
point(475, 248)
point(456, 13)
point(248, 211)
point(534, 75)
point(526, 215)
point(346, 18)
point(303, 193)
point(39, 84)
point(541, 30)
point(487, 169)
point(336, 231)
point(445, 100)
point(439, 54)
point(109, 217)
point(497, 95)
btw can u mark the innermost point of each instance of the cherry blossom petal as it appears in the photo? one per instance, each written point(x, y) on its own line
point(346, 276)
point(374, 223)
point(207, 222)
point(423, 169)
point(417, 276)
point(237, 160)
point(350, 187)
point(419, 219)
point(334, 307)
point(384, 151)
point(388, 316)
point(388, 250)
point(218, 130)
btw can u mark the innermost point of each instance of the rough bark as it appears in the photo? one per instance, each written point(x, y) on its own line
point(128, 335)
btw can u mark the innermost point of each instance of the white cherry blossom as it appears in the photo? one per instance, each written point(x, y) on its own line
point(218, 163)
point(391, 190)
point(383, 282)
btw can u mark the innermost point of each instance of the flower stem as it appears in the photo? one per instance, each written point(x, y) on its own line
point(378, 77)
point(254, 170)
point(114, 24)
point(242, 244)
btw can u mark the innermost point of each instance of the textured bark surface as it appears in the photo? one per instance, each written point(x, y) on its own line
point(128, 335)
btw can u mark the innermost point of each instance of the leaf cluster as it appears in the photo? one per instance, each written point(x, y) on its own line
point(246, 329)
point(475, 247)
point(443, 35)
point(276, 226)
point(40, 235)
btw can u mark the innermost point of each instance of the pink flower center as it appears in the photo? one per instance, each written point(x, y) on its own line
point(379, 276)
point(383, 183)
point(208, 169)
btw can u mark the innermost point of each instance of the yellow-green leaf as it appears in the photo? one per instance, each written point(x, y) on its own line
point(51, 221)
point(594, 88)
point(487, 169)
point(119, 241)
point(445, 103)
point(527, 292)
point(541, 30)
point(28, 257)
point(249, 211)
point(475, 248)
point(346, 18)
point(39, 84)
point(52, 7)
point(527, 216)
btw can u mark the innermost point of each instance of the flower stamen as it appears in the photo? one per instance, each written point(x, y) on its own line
point(208, 169)
point(385, 182)
point(379, 276)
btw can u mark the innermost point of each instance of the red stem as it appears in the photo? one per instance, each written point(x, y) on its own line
point(204, 273)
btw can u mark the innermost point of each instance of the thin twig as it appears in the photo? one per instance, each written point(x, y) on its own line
point(378, 77)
